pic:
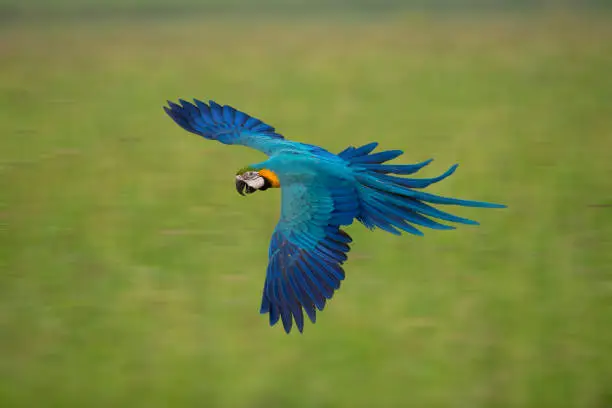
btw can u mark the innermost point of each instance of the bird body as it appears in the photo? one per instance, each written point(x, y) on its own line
point(321, 192)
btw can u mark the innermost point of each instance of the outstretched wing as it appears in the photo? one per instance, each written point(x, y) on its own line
point(308, 248)
point(225, 124)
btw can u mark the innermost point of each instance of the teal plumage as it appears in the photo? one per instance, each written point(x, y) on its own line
point(321, 192)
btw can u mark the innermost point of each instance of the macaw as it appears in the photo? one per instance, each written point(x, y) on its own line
point(321, 192)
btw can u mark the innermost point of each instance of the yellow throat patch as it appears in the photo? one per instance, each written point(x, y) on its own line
point(270, 176)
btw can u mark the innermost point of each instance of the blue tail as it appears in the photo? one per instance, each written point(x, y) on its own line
point(395, 204)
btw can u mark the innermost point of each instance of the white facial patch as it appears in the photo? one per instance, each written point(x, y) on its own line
point(255, 183)
point(252, 179)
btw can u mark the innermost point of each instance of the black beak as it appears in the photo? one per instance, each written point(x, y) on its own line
point(242, 187)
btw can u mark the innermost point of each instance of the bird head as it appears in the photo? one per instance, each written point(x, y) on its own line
point(249, 180)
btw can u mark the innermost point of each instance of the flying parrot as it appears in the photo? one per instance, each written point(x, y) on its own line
point(321, 192)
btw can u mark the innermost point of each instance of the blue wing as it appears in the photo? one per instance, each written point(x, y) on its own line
point(225, 124)
point(308, 249)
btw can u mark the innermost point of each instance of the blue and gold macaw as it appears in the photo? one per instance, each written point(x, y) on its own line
point(321, 192)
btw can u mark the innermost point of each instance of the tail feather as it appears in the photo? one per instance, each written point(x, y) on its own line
point(411, 215)
point(392, 203)
point(388, 221)
point(418, 183)
point(403, 169)
point(376, 158)
point(351, 151)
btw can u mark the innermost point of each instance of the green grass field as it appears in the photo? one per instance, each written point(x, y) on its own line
point(132, 271)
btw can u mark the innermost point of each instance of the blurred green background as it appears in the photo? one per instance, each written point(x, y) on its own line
point(131, 271)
